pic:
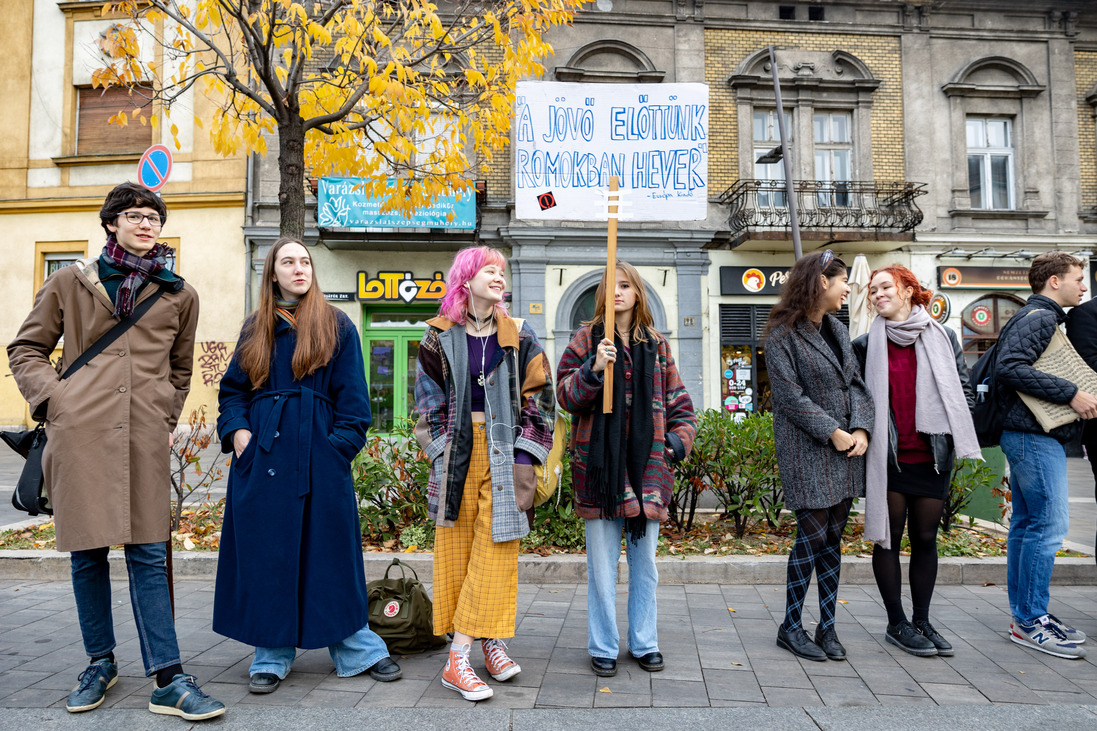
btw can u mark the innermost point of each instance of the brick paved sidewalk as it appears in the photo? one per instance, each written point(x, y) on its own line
point(715, 657)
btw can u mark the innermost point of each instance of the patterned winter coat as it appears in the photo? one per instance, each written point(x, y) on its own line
point(813, 394)
point(579, 391)
point(519, 377)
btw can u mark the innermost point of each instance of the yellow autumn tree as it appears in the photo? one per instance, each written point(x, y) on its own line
point(404, 90)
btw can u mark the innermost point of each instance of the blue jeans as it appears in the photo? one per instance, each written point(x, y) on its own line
point(603, 552)
point(1038, 481)
point(356, 654)
point(148, 574)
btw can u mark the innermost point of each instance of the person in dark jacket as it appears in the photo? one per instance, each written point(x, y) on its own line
point(1082, 331)
point(1037, 460)
point(822, 417)
point(621, 462)
point(916, 373)
point(294, 410)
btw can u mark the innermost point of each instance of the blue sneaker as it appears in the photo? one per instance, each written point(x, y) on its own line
point(183, 698)
point(91, 687)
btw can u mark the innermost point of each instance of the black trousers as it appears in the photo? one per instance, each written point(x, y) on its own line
point(1089, 441)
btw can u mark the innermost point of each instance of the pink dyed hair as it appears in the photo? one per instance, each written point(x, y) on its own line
point(466, 264)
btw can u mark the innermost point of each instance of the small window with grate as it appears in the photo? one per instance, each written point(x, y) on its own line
point(743, 323)
point(815, 12)
point(786, 12)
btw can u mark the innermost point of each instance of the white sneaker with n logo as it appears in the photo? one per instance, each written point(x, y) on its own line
point(1046, 636)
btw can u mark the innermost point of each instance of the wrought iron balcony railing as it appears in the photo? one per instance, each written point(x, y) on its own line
point(844, 205)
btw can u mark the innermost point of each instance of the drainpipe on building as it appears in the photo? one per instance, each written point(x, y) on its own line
point(793, 213)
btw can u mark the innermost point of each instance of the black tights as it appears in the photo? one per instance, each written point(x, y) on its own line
point(818, 547)
point(923, 515)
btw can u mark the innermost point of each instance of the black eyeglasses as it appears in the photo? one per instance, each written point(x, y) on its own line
point(135, 218)
point(826, 259)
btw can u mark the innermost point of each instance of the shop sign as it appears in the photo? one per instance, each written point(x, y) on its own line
point(752, 280)
point(344, 203)
point(940, 307)
point(964, 277)
point(339, 296)
point(400, 286)
point(570, 139)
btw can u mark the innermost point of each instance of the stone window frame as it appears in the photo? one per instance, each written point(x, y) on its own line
point(970, 98)
point(1090, 215)
point(575, 69)
point(803, 93)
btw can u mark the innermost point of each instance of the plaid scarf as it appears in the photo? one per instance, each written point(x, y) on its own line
point(612, 456)
point(139, 269)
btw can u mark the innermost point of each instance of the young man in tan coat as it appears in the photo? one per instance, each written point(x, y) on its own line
point(109, 426)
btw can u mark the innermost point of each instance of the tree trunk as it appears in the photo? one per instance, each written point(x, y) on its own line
point(291, 176)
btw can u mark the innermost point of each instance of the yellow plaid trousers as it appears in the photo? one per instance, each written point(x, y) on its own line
point(475, 579)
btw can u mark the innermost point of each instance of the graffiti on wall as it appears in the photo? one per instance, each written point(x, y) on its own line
point(212, 362)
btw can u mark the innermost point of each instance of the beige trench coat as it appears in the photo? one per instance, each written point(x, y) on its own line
point(106, 463)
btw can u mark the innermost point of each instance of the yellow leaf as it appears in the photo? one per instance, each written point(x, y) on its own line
point(731, 610)
point(737, 664)
point(604, 690)
point(411, 548)
point(842, 601)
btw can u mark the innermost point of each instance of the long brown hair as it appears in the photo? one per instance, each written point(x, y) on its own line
point(642, 321)
point(317, 327)
point(803, 289)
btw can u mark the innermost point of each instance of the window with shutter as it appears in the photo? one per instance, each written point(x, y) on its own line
point(95, 107)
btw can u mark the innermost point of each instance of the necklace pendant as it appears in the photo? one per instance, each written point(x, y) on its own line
point(480, 380)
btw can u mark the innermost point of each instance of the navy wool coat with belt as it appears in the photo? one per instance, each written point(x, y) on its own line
point(290, 570)
point(812, 395)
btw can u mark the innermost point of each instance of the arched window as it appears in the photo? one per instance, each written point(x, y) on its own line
point(982, 321)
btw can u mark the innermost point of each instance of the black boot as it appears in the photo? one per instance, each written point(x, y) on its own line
point(827, 639)
point(798, 643)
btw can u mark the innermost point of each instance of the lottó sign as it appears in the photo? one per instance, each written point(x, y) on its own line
point(570, 139)
point(401, 287)
point(343, 203)
point(752, 280)
point(963, 277)
point(940, 307)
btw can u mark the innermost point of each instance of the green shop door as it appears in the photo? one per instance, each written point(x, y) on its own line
point(390, 345)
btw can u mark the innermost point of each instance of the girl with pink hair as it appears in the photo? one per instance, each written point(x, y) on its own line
point(484, 394)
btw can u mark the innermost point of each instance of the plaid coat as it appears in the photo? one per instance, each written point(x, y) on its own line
point(519, 377)
point(579, 391)
point(813, 394)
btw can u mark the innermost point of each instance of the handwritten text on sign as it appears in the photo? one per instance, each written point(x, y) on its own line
point(571, 138)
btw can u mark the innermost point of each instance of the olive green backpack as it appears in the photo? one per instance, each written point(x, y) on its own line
point(401, 612)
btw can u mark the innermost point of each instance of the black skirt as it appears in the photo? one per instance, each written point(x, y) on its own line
point(919, 480)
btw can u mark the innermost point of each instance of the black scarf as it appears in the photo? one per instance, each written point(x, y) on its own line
point(611, 456)
point(138, 270)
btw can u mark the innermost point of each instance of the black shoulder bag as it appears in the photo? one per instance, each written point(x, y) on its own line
point(29, 495)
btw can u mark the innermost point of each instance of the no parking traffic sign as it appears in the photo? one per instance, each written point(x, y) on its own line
point(154, 167)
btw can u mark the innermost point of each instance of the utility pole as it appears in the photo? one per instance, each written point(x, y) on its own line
point(793, 213)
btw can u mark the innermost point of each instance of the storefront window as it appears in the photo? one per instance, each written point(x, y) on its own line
point(390, 343)
point(982, 322)
point(584, 309)
point(744, 381)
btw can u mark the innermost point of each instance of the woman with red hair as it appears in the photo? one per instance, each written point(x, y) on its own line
point(916, 373)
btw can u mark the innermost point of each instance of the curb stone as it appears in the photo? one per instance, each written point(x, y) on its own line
point(27, 564)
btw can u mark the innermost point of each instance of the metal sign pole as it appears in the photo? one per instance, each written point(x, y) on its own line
point(793, 213)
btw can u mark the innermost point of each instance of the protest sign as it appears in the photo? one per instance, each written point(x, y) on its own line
point(1062, 360)
point(571, 138)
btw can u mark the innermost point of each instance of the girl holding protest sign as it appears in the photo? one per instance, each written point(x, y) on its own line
point(620, 467)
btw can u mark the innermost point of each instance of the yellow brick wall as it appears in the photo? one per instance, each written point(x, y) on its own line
point(725, 50)
point(1085, 71)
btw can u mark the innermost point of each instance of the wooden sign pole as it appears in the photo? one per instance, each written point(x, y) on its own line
point(611, 288)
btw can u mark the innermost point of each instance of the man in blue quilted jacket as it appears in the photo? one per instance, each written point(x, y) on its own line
point(1037, 460)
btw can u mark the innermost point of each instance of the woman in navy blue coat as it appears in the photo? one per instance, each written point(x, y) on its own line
point(294, 409)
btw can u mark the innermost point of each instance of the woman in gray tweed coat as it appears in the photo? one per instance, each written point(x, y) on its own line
point(822, 415)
